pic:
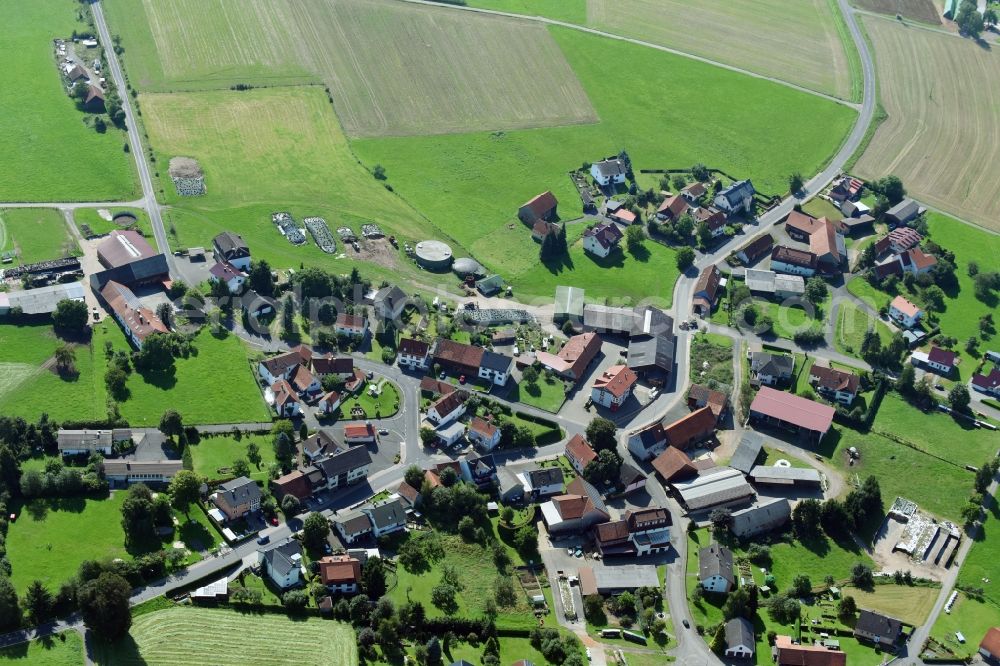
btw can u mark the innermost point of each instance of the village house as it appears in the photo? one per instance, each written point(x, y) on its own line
point(788, 653)
point(479, 470)
point(740, 642)
point(877, 628)
point(282, 562)
point(736, 199)
point(855, 209)
point(579, 453)
point(639, 533)
point(674, 465)
point(256, 306)
point(447, 408)
point(577, 510)
point(85, 442)
point(672, 208)
point(833, 384)
point(630, 479)
point(541, 207)
point(237, 498)
point(387, 517)
point(463, 359)
point(414, 354)
point(756, 250)
point(611, 171)
point(228, 275)
point(542, 482)
point(359, 433)
point(763, 516)
point(937, 360)
point(137, 321)
point(318, 445)
point(121, 473)
point(988, 384)
point(829, 246)
point(770, 369)
point(329, 403)
point(648, 442)
point(694, 428)
point(792, 261)
point(341, 574)
point(613, 387)
point(702, 396)
point(905, 313)
point(706, 290)
point(989, 647)
point(917, 262)
point(344, 466)
point(353, 525)
point(624, 216)
point(329, 364)
point(714, 220)
point(572, 361)
point(232, 249)
point(483, 434)
point(693, 192)
point(351, 325)
point(602, 239)
point(283, 398)
point(389, 303)
point(715, 568)
point(296, 483)
point(800, 226)
point(846, 188)
point(283, 366)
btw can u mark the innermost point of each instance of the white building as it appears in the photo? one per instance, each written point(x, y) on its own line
point(608, 172)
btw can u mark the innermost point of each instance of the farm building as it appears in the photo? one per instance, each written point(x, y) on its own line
point(433, 255)
point(612, 580)
point(138, 321)
point(540, 207)
point(903, 212)
point(791, 411)
point(792, 261)
point(761, 517)
point(747, 452)
point(123, 246)
point(652, 357)
point(773, 475)
point(706, 290)
point(715, 488)
point(568, 305)
point(42, 300)
point(769, 283)
point(232, 248)
point(756, 250)
point(574, 358)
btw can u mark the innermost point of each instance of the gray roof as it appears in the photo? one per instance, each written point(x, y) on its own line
point(594, 494)
point(251, 300)
point(722, 485)
point(43, 300)
point(120, 467)
point(388, 514)
point(760, 280)
point(319, 442)
point(905, 210)
point(507, 480)
point(280, 556)
point(390, 297)
point(495, 362)
point(569, 301)
point(232, 246)
point(634, 322)
point(715, 560)
point(778, 365)
point(545, 477)
point(136, 271)
point(240, 490)
point(746, 453)
point(652, 351)
point(626, 577)
point(611, 167)
point(354, 522)
point(784, 475)
point(752, 519)
point(792, 284)
point(345, 460)
point(739, 632)
point(886, 628)
point(737, 192)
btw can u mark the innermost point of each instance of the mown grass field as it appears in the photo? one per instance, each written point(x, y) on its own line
point(46, 152)
point(911, 604)
point(852, 325)
point(797, 42)
point(941, 136)
point(36, 234)
point(971, 617)
point(462, 71)
point(65, 649)
point(268, 150)
point(981, 562)
point(51, 538)
point(212, 454)
point(222, 637)
point(29, 388)
point(215, 385)
point(678, 112)
point(99, 226)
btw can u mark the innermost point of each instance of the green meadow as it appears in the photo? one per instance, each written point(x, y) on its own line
point(36, 234)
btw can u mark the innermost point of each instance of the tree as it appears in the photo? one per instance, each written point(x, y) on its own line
point(137, 515)
point(156, 355)
point(891, 187)
point(290, 505)
point(427, 438)
point(593, 609)
point(288, 318)
point(984, 477)
point(443, 597)
point(721, 519)
point(295, 600)
point(861, 575)
point(604, 469)
point(171, 424)
point(685, 258)
point(65, 360)
point(526, 541)
point(990, 17)
point(185, 490)
point(284, 449)
point(795, 183)
point(846, 609)
point(801, 586)
point(315, 530)
point(260, 278)
point(38, 602)
point(958, 398)
point(104, 604)
point(703, 234)
point(904, 383)
point(414, 476)
point(241, 467)
point(165, 313)
point(783, 609)
point(635, 238)
point(70, 316)
point(934, 298)
point(700, 172)
point(253, 454)
point(816, 290)
point(115, 380)
point(379, 172)
point(601, 434)
point(373, 577)
point(10, 610)
point(806, 518)
point(740, 603)
point(969, 20)
point(530, 375)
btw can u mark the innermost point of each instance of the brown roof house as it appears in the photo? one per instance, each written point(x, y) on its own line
point(484, 434)
point(674, 464)
point(706, 290)
point(574, 358)
point(613, 387)
point(756, 250)
point(539, 208)
point(696, 427)
point(579, 453)
point(788, 653)
point(672, 208)
point(340, 573)
point(989, 647)
point(834, 384)
point(579, 509)
point(700, 396)
point(602, 239)
point(237, 498)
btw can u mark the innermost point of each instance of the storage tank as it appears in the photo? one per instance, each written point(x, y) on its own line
point(433, 255)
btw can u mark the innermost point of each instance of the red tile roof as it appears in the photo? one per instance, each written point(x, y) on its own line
point(352, 322)
point(283, 393)
point(607, 235)
point(708, 281)
point(294, 483)
point(686, 429)
point(802, 223)
point(695, 189)
point(673, 463)
point(482, 427)
point(457, 353)
point(904, 238)
point(411, 347)
point(991, 641)
point(359, 430)
point(339, 569)
point(918, 258)
point(616, 380)
point(792, 409)
point(578, 449)
point(835, 380)
point(807, 655)
point(673, 207)
point(542, 204)
point(987, 382)
point(906, 307)
point(625, 215)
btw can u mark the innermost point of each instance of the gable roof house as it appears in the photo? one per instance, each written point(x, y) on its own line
point(414, 353)
point(231, 248)
point(834, 384)
point(630, 479)
point(706, 290)
point(389, 303)
point(137, 321)
point(283, 365)
point(858, 226)
point(579, 453)
point(652, 357)
point(295, 483)
point(716, 487)
point(237, 498)
point(989, 384)
point(846, 188)
point(740, 640)
point(901, 239)
point(696, 427)
point(791, 411)
point(989, 647)
point(672, 208)
point(877, 628)
point(602, 239)
point(715, 568)
point(282, 562)
point(579, 509)
point(693, 191)
point(541, 207)
point(770, 369)
point(283, 398)
point(756, 250)
point(86, 441)
point(788, 653)
point(542, 482)
point(484, 434)
point(904, 312)
point(387, 517)
point(352, 325)
point(761, 517)
point(340, 573)
point(674, 464)
point(829, 246)
point(647, 442)
point(736, 199)
point(447, 408)
point(609, 172)
point(903, 212)
point(353, 525)
point(714, 219)
point(940, 361)
point(346, 466)
point(916, 261)
point(800, 226)
point(624, 216)
point(792, 261)
point(574, 358)
point(702, 396)
point(318, 445)
point(613, 387)
point(257, 305)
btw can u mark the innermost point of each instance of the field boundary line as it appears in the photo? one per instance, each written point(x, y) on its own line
point(638, 42)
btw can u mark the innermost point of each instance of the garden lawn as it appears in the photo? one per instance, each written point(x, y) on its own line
point(971, 617)
point(65, 649)
point(46, 151)
point(678, 112)
point(817, 559)
point(787, 320)
point(909, 603)
point(385, 405)
point(981, 562)
point(214, 386)
point(852, 324)
point(28, 388)
point(717, 351)
point(51, 538)
point(37, 234)
point(547, 393)
point(212, 454)
point(186, 635)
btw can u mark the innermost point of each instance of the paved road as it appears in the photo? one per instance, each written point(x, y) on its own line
point(148, 201)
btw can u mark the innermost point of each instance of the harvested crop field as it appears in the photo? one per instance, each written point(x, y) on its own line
point(918, 10)
point(202, 636)
point(396, 69)
point(799, 42)
point(942, 134)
